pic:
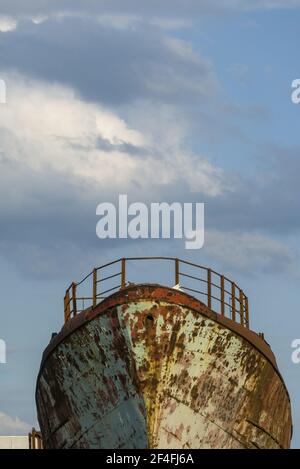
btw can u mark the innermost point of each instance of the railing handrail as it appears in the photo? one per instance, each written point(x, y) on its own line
point(237, 302)
point(157, 258)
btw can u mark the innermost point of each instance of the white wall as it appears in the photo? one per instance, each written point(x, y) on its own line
point(14, 442)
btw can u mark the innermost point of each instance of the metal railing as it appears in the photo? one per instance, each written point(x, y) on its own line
point(220, 294)
point(35, 439)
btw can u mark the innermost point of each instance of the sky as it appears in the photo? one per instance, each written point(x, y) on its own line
point(178, 100)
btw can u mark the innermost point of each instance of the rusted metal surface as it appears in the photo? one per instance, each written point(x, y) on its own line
point(154, 367)
point(35, 439)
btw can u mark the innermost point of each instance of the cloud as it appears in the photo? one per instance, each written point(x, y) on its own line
point(169, 8)
point(268, 4)
point(104, 100)
point(249, 252)
point(132, 70)
point(62, 156)
point(13, 426)
point(47, 127)
point(7, 24)
point(111, 65)
point(117, 117)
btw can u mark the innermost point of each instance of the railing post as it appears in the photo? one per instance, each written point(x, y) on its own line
point(94, 287)
point(233, 301)
point(70, 298)
point(33, 439)
point(242, 313)
point(222, 296)
point(246, 311)
point(176, 271)
point(74, 299)
point(209, 288)
point(67, 306)
point(123, 276)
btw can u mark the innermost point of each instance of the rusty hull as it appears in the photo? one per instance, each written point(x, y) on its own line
point(152, 367)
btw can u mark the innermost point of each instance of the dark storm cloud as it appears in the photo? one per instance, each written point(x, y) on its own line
point(104, 144)
point(118, 66)
point(113, 66)
point(270, 200)
point(107, 146)
point(55, 225)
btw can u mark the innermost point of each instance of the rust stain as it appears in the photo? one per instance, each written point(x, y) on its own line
point(153, 367)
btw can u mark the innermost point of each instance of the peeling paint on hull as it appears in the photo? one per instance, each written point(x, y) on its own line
point(151, 367)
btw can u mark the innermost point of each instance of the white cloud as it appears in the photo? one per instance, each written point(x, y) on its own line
point(7, 24)
point(10, 426)
point(171, 23)
point(119, 21)
point(182, 48)
point(126, 14)
point(39, 19)
point(248, 252)
point(45, 126)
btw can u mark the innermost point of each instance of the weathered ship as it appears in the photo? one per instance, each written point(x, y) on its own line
point(150, 366)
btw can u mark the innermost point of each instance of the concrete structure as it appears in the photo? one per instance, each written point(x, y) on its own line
point(14, 442)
